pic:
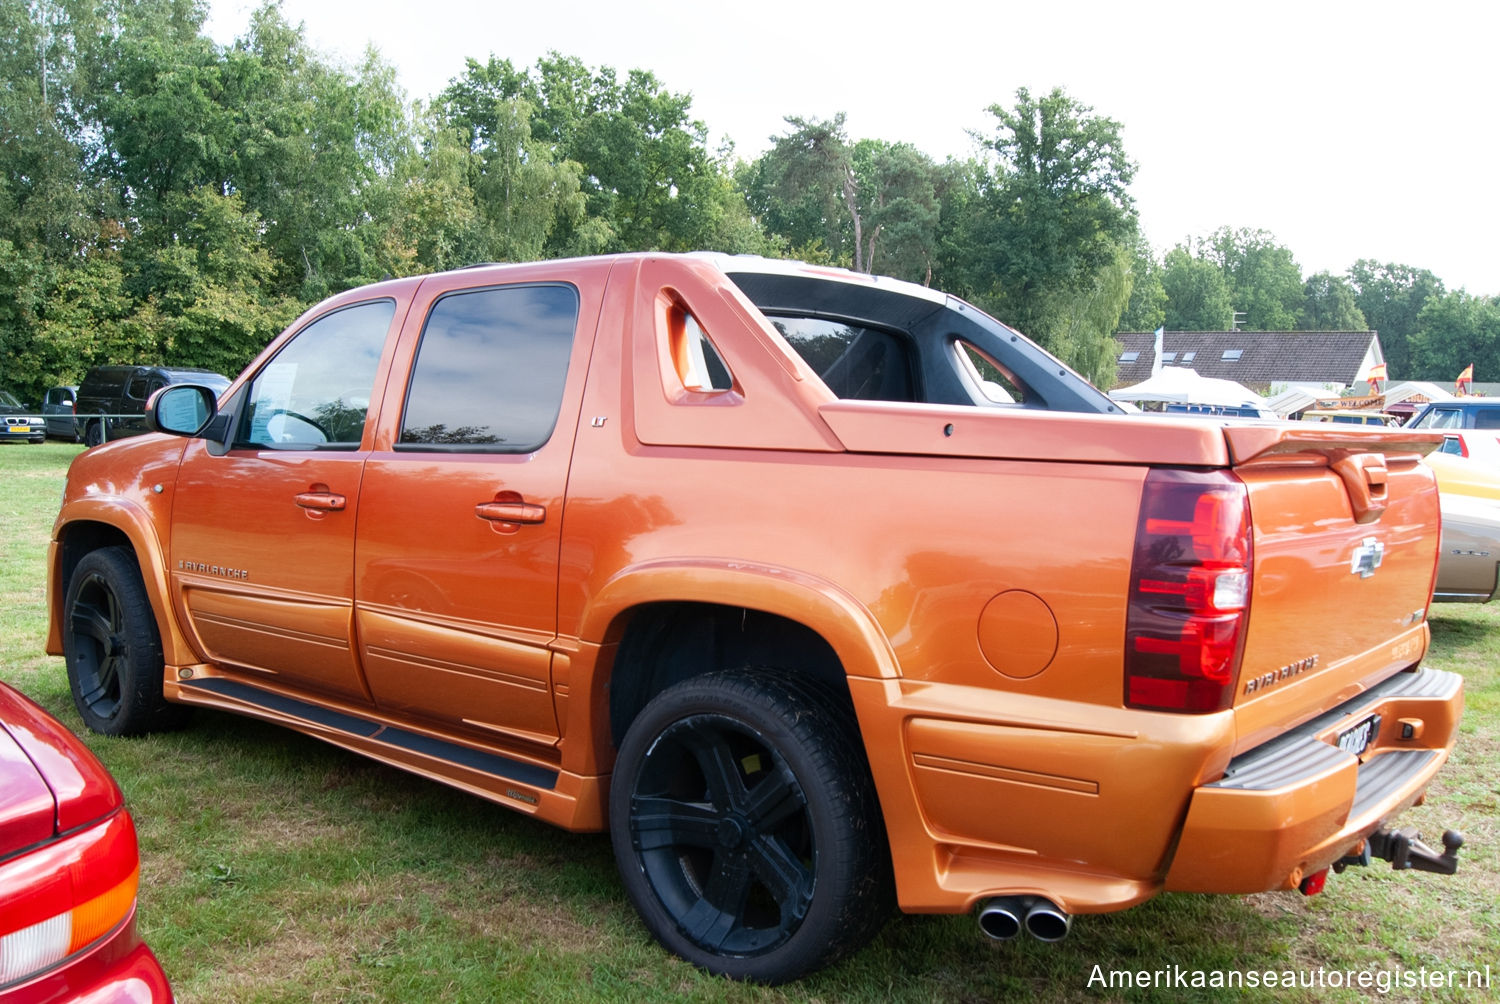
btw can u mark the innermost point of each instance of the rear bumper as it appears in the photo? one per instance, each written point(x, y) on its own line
point(1298, 803)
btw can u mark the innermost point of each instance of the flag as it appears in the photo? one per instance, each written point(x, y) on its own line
point(1156, 359)
point(1465, 379)
point(1376, 374)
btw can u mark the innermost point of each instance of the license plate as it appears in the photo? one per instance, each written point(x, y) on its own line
point(1356, 739)
point(20, 428)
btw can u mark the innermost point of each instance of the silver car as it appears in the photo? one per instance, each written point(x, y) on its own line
point(1469, 562)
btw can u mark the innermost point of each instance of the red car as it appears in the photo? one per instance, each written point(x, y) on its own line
point(68, 871)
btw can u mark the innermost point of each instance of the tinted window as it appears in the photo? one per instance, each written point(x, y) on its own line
point(490, 370)
point(1487, 418)
point(316, 392)
point(858, 363)
point(137, 388)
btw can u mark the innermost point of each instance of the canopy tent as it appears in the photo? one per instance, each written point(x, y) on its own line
point(1181, 385)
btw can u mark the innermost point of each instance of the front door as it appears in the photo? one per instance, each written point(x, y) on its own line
point(460, 521)
point(262, 550)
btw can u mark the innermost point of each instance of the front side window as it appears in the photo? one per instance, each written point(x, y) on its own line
point(490, 370)
point(1441, 418)
point(315, 393)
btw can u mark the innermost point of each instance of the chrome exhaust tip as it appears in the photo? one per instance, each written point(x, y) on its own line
point(1048, 921)
point(1000, 919)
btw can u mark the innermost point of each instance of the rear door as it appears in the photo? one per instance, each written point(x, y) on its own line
point(460, 514)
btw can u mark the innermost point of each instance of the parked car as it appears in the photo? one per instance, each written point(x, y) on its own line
point(1459, 475)
point(1470, 426)
point(69, 868)
point(1349, 417)
point(1469, 559)
point(1469, 562)
point(751, 564)
point(19, 424)
point(112, 399)
point(60, 408)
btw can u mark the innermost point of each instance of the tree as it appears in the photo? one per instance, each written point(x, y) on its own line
point(1147, 309)
point(1264, 280)
point(647, 179)
point(804, 190)
point(1453, 330)
point(1329, 305)
point(898, 193)
point(1391, 297)
point(1052, 219)
point(1198, 296)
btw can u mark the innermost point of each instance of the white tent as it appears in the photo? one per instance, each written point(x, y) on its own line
point(1181, 385)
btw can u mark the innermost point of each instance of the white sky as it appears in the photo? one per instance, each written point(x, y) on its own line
point(1347, 129)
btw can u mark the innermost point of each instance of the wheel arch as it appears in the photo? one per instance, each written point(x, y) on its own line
point(671, 620)
point(91, 525)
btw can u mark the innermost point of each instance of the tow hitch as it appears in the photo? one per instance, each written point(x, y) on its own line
point(1405, 849)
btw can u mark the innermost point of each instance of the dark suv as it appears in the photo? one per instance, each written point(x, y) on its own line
point(1471, 426)
point(112, 399)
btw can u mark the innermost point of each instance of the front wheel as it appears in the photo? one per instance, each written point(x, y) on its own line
point(746, 828)
point(112, 647)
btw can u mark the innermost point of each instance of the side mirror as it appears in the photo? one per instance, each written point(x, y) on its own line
point(182, 409)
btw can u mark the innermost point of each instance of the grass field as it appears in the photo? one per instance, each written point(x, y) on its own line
point(277, 868)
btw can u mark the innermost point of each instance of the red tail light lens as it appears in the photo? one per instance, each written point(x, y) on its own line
point(1189, 592)
point(64, 896)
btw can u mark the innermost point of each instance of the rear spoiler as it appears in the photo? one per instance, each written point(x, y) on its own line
point(1362, 458)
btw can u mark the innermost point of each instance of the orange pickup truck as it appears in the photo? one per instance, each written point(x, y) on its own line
point(816, 590)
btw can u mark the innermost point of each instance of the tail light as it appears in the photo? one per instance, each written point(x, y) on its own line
point(66, 895)
point(1189, 592)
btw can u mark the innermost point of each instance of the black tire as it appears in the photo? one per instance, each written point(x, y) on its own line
point(112, 648)
point(93, 435)
point(746, 828)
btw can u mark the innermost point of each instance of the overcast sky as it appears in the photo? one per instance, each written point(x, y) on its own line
point(1347, 130)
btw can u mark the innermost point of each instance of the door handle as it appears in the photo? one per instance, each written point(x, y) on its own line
point(511, 512)
point(322, 501)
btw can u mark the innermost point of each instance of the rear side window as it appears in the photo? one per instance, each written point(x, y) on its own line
point(1487, 418)
point(315, 393)
point(490, 370)
point(863, 364)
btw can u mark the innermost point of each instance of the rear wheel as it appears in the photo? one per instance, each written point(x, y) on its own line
point(94, 434)
point(746, 828)
point(112, 647)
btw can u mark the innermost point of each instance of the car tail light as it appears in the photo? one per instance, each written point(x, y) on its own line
point(1189, 592)
point(64, 896)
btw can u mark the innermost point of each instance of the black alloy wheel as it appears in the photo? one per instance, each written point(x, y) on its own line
point(745, 826)
point(112, 647)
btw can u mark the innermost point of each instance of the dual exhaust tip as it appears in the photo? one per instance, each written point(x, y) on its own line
point(1005, 917)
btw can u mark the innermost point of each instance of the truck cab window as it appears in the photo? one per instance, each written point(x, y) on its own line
point(490, 370)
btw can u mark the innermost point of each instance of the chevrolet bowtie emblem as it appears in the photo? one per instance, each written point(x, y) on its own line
point(1367, 557)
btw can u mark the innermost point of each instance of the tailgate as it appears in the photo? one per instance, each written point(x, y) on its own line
point(1346, 529)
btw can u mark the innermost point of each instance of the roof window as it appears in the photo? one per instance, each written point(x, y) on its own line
point(1230, 355)
point(1129, 357)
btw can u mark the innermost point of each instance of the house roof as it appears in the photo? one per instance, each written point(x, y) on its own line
point(1253, 358)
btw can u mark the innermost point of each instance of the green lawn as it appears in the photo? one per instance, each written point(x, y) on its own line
point(277, 868)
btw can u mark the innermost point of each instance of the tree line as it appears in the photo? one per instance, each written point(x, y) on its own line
point(165, 198)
